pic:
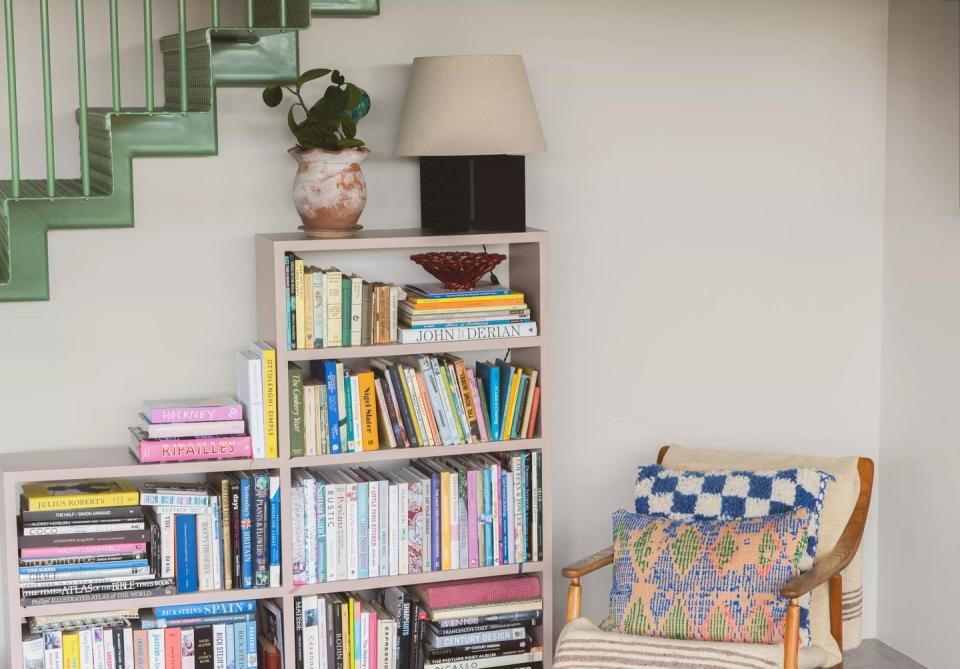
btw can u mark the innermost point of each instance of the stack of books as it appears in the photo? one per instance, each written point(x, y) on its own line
point(331, 308)
point(348, 630)
point(482, 623)
point(432, 313)
point(193, 429)
point(85, 540)
point(409, 402)
point(220, 635)
point(256, 372)
point(436, 514)
point(218, 536)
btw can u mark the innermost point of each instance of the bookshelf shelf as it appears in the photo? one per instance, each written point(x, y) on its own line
point(390, 454)
point(348, 352)
point(528, 272)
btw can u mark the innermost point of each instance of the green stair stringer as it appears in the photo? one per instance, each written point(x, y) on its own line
point(235, 57)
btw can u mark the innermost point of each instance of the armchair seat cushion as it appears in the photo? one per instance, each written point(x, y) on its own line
point(583, 645)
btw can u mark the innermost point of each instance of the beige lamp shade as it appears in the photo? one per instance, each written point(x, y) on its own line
point(469, 106)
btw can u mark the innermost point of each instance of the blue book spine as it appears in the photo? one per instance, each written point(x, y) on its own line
point(261, 521)
point(321, 531)
point(63, 568)
point(490, 375)
point(229, 647)
point(505, 526)
point(246, 533)
point(200, 610)
point(333, 412)
point(186, 548)
point(435, 557)
point(363, 530)
point(286, 284)
point(240, 645)
point(160, 623)
point(488, 516)
point(275, 532)
point(475, 292)
point(252, 644)
point(505, 321)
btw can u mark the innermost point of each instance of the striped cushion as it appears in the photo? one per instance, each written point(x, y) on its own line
point(582, 645)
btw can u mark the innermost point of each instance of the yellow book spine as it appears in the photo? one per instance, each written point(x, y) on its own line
point(353, 637)
point(408, 398)
point(309, 335)
point(347, 633)
point(528, 403)
point(368, 411)
point(457, 301)
point(467, 398)
point(57, 503)
point(445, 520)
point(270, 402)
point(71, 650)
point(511, 405)
point(299, 306)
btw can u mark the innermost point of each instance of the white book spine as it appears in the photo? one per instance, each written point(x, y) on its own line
point(85, 638)
point(218, 565)
point(356, 311)
point(364, 639)
point(394, 537)
point(205, 552)
point(53, 650)
point(230, 646)
point(310, 429)
point(311, 633)
point(109, 653)
point(297, 531)
point(127, 647)
point(511, 515)
point(454, 512)
point(32, 650)
point(445, 403)
point(81, 529)
point(436, 401)
point(318, 309)
point(330, 517)
point(310, 526)
point(341, 536)
point(322, 631)
point(219, 646)
point(467, 333)
point(353, 548)
point(403, 528)
point(168, 532)
point(155, 649)
point(250, 393)
point(373, 542)
point(383, 496)
point(52, 578)
point(187, 661)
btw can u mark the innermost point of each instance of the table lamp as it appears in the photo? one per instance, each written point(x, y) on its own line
point(471, 120)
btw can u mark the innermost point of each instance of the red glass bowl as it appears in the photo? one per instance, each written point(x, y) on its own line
point(458, 270)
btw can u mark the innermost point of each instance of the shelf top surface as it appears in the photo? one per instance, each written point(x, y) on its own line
point(399, 238)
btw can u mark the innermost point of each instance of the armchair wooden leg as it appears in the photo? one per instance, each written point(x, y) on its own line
point(574, 592)
point(791, 641)
point(836, 613)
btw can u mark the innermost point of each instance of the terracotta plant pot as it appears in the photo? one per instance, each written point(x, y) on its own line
point(328, 191)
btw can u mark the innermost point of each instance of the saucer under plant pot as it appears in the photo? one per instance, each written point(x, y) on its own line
point(329, 191)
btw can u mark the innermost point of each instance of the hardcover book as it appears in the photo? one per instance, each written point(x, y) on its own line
point(192, 410)
point(180, 450)
point(80, 494)
point(467, 333)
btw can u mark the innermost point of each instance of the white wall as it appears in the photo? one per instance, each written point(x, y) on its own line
point(713, 185)
point(921, 329)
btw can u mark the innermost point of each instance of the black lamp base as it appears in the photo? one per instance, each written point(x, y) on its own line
point(472, 193)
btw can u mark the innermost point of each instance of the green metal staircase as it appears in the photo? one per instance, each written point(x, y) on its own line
point(195, 62)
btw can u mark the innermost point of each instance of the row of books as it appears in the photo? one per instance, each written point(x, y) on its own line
point(474, 624)
point(327, 308)
point(100, 540)
point(435, 514)
point(410, 402)
point(432, 313)
point(224, 635)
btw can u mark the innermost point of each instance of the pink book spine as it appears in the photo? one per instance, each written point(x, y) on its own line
point(73, 551)
point(473, 543)
point(179, 450)
point(194, 414)
point(374, 640)
point(482, 591)
point(475, 394)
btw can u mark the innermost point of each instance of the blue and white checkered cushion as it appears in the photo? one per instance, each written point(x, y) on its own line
point(727, 495)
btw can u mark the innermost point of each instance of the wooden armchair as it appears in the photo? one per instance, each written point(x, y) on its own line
point(826, 569)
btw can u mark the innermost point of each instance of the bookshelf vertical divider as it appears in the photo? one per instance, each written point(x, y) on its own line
point(528, 255)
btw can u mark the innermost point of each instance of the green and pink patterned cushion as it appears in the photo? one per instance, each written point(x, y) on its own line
point(708, 580)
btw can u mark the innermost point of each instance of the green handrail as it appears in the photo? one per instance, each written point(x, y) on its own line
point(115, 55)
point(12, 99)
point(215, 13)
point(283, 13)
point(47, 97)
point(82, 93)
point(249, 13)
point(148, 50)
point(182, 33)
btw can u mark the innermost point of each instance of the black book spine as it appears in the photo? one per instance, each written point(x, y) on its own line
point(392, 416)
point(100, 596)
point(329, 636)
point(261, 501)
point(87, 515)
point(235, 530)
point(100, 539)
point(291, 299)
point(405, 629)
point(467, 653)
point(203, 645)
point(435, 630)
point(110, 586)
point(338, 649)
point(417, 656)
point(118, 653)
point(526, 617)
point(298, 631)
point(404, 411)
point(155, 546)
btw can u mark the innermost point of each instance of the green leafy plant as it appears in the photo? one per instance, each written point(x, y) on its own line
point(331, 122)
